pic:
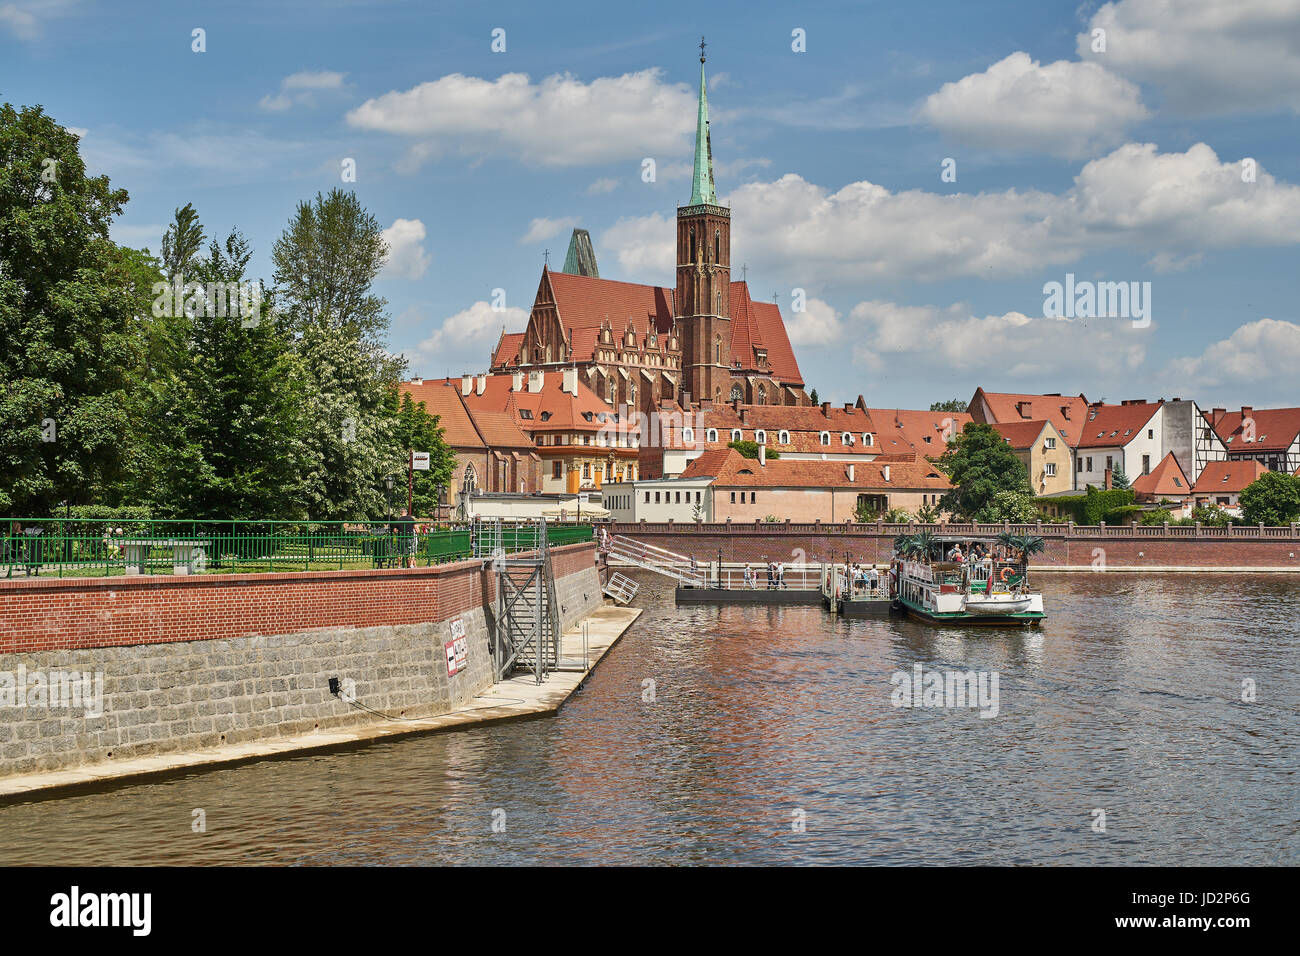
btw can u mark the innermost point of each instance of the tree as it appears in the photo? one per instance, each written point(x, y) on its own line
point(951, 405)
point(225, 407)
point(749, 449)
point(182, 243)
point(927, 514)
point(325, 263)
point(812, 397)
point(1273, 499)
point(1211, 516)
point(417, 430)
point(70, 344)
point(1008, 505)
point(1118, 479)
point(979, 463)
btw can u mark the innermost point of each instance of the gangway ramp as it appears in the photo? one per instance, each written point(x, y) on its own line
point(621, 588)
point(659, 560)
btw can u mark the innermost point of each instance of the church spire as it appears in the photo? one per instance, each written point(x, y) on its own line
point(702, 190)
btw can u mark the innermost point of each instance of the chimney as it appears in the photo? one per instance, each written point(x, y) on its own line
point(1247, 411)
point(885, 472)
point(466, 384)
point(762, 455)
point(480, 386)
point(1065, 412)
point(535, 379)
point(1026, 409)
point(570, 381)
point(826, 409)
point(1106, 483)
point(416, 381)
point(516, 381)
point(849, 472)
point(686, 401)
point(1216, 415)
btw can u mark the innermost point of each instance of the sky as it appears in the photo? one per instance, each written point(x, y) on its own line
point(906, 181)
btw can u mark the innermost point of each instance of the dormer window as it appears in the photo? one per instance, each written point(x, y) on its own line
point(760, 436)
point(688, 435)
point(711, 435)
point(826, 438)
point(736, 434)
point(846, 439)
point(783, 437)
point(528, 413)
point(868, 439)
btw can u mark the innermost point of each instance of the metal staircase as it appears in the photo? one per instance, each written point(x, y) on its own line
point(528, 629)
point(659, 560)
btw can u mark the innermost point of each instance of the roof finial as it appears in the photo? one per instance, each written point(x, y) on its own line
point(702, 46)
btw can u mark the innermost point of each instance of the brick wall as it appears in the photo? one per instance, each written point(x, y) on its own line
point(1117, 547)
point(191, 663)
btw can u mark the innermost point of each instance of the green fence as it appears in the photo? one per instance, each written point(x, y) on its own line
point(96, 548)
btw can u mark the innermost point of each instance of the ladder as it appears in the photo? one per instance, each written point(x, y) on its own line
point(528, 630)
point(621, 588)
point(656, 559)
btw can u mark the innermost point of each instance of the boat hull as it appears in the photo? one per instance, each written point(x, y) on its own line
point(966, 618)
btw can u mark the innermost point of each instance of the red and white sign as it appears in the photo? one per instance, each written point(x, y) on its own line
point(457, 649)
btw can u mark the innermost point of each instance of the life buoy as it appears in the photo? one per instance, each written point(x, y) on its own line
point(1005, 575)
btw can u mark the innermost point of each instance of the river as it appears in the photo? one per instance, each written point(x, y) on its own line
point(768, 735)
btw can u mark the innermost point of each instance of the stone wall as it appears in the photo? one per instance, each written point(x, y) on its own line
point(268, 676)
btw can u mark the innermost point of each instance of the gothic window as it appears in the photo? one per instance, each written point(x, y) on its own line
point(762, 394)
point(717, 245)
point(736, 394)
point(469, 481)
point(717, 350)
point(692, 245)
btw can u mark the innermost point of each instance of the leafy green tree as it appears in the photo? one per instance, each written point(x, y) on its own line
point(182, 243)
point(749, 449)
point(951, 405)
point(325, 263)
point(225, 406)
point(1009, 505)
point(417, 430)
point(1273, 499)
point(1211, 516)
point(927, 514)
point(71, 352)
point(979, 463)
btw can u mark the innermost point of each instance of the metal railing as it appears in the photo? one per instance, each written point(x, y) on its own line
point(98, 547)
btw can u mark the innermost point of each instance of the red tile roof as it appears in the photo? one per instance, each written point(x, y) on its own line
point(1021, 435)
point(550, 409)
point(729, 469)
point(759, 324)
point(1064, 412)
point(906, 429)
point(1275, 429)
point(1227, 477)
point(507, 352)
point(1166, 480)
point(1105, 426)
point(465, 427)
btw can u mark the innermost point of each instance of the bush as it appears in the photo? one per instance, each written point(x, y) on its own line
point(1157, 516)
point(1211, 516)
point(1124, 514)
point(749, 449)
point(1092, 507)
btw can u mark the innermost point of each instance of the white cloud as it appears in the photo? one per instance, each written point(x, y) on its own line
point(1207, 56)
point(1257, 353)
point(406, 256)
point(1064, 108)
point(601, 186)
point(300, 89)
point(916, 340)
point(818, 324)
point(23, 18)
point(464, 338)
point(540, 229)
point(1178, 204)
point(559, 121)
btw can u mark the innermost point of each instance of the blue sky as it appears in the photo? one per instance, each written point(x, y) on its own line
point(1114, 164)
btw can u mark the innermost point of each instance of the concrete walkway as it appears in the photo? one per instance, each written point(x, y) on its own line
point(517, 698)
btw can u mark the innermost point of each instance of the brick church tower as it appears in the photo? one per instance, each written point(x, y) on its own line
point(702, 303)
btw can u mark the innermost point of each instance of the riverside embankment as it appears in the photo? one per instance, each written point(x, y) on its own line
point(175, 671)
point(1068, 547)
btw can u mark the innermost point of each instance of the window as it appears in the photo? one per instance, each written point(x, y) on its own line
point(1146, 464)
point(736, 434)
point(688, 435)
point(846, 439)
point(656, 497)
point(762, 394)
point(1089, 463)
point(1079, 463)
point(826, 438)
point(753, 496)
point(733, 497)
point(647, 497)
point(526, 413)
point(586, 472)
point(868, 439)
point(557, 469)
point(737, 395)
point(1151, 433)
point(678, 499)
point(711, 435)
point(697, 497)
point(783, 437)
point(760, 436)
point(1051, 469)
point(1049, 443)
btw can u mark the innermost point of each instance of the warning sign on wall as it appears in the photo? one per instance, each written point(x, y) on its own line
point(457, 649)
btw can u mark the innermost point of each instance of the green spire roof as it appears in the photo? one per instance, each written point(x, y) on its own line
point(702, 190)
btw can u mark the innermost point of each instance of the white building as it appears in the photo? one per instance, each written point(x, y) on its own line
point(660, 499)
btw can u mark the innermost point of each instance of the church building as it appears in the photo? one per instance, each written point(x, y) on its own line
point(702, 340)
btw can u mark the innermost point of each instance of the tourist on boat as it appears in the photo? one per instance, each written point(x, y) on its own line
point(771, 575)
point(780, 574)
point(955, 554)
point(749, 576)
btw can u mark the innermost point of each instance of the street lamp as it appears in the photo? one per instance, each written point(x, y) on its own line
point(388, 486)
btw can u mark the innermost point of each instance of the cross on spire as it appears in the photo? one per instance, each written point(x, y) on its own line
point(744, 271)
point(702, 46)
point(546, 256)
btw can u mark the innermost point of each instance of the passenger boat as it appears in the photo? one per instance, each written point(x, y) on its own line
point(927, 581)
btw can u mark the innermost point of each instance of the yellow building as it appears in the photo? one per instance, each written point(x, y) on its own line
point(1043, 451)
